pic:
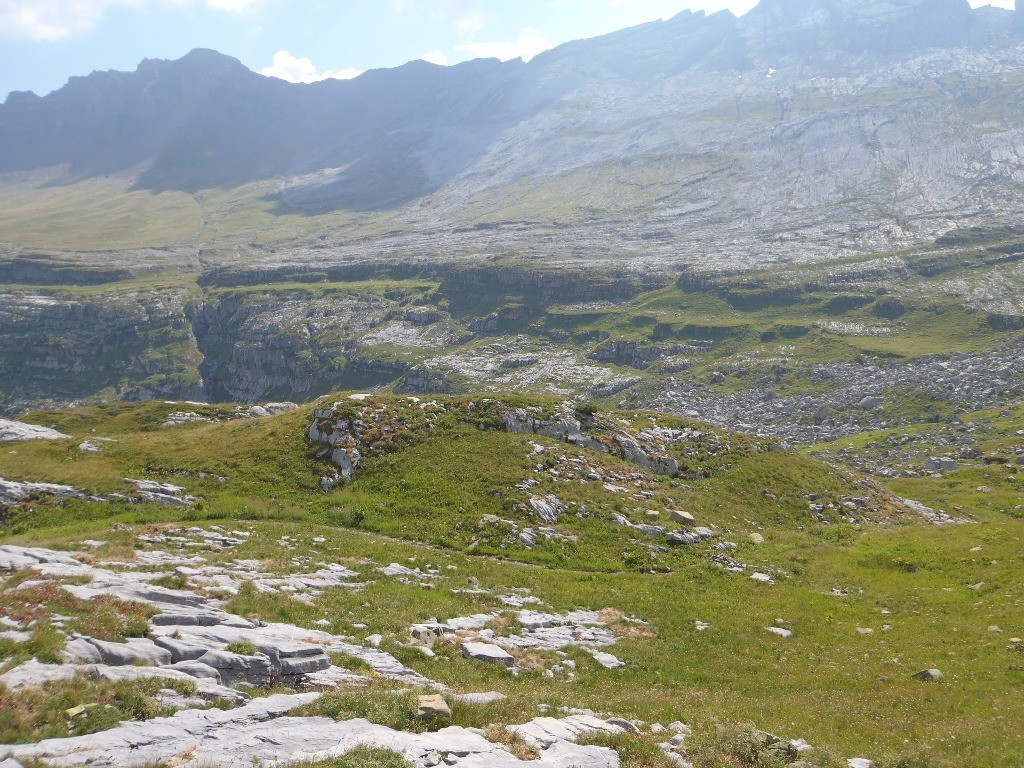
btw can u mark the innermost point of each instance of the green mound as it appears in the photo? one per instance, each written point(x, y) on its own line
point(526, 478)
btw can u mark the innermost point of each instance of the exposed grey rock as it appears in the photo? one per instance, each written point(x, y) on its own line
point(33, 673)
point(479, 699)
point(648, 530)
point(180, 651)
point(11, 492)
point(196, 669)
point(189, 417)
point(16, 431)
point(682, 537)
point(681, 517)
point(137, 651)
point(262, 733)
point(163, 493)
point(333, 678)
point(944, 464)
point(547, 508)
point(269, 409)
point(928, 675)
point(235, 668)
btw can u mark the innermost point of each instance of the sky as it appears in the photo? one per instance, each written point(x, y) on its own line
point(43, 42)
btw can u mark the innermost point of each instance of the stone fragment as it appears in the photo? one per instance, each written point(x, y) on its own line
point(928, 675)
point(626, 725)
point(607, 660)
point(433, 706)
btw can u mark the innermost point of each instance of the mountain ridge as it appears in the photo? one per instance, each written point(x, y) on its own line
point(796, 127)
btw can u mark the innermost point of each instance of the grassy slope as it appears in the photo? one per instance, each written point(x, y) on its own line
point(841, 690)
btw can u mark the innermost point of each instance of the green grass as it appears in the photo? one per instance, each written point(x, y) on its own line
point(363, 758)
point(242, 648)
point(49, 712)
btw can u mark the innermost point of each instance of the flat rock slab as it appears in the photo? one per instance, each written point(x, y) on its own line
point(492, 654)
point(32, 673)
point(333, 678)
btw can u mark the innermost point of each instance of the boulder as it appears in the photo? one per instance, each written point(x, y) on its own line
point(928, 675)
point(683, 518)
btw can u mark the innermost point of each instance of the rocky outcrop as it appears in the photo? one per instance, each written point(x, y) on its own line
point(12, 492)
point(262, 732)
point(353, 429)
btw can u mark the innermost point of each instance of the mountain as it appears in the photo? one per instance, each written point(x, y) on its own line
point(803, 129)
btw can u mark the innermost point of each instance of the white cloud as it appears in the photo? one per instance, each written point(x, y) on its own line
point(51, 20)
point(436, 57)
point(530, 43)
point(299, 69)
point(235, 6)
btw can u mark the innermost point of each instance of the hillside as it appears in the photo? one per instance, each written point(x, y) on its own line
point(854, 583)
point(437, 471)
